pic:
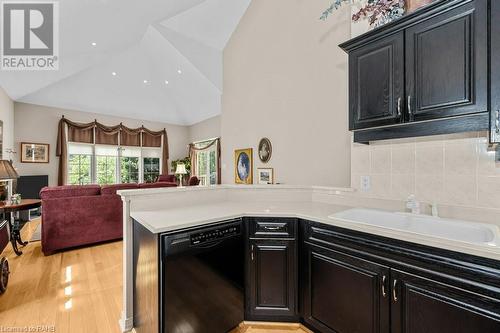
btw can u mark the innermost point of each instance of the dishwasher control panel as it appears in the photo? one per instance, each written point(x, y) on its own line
point(214, 234)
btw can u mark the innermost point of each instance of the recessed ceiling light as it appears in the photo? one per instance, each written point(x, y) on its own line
point(94, 44)
point(179, 71)
point(166, 82)
point(145, 81)
point(113, 73)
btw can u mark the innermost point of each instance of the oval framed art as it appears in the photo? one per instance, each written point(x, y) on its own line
point(265, 150)
point(243, 166)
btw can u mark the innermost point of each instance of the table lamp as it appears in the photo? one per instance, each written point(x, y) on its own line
point(181, 171)
point(8, 174)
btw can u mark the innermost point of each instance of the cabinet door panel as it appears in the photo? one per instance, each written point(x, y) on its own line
point(425, 306)
point(272, 278)
point(345, 293)
point(446, 64)
point(376, 83)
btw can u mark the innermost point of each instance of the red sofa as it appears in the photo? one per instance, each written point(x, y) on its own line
point(76, 215)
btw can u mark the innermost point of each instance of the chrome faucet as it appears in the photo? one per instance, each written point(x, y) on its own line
point(412, 204)
point(434, 209)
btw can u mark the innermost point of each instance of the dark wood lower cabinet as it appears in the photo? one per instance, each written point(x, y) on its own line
point(424, 306)
point(352, 282)
point(344, 293)
point(272, 274)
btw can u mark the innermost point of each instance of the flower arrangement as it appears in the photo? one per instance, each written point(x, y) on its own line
point(378, 12)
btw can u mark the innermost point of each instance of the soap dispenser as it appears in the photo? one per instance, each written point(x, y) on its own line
point(412, 204)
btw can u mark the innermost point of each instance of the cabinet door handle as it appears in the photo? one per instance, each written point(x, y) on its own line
point(394, 293)
point(409, 105)
point(272, 228)
point(384, 278)
point(251, 253)
point(399, 107)
point(497, 121)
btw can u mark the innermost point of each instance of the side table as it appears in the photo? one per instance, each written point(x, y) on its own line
point(15, 230)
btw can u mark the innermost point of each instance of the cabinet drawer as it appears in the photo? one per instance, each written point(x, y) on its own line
point(272, 227)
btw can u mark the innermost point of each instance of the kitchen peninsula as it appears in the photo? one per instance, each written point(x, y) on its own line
point(281, 235)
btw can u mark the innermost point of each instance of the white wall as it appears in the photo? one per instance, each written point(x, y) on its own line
point(7, 116)
point(34, 123)
point(285, 78)
point(206, 129)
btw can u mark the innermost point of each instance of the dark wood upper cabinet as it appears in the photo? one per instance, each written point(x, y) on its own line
point(495, 72)
point(377, 92)
point(343, 293)
point(424, 74)
point(424, 306)
point(447, 64)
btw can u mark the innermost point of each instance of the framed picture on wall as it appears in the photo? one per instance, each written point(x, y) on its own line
point(243, 166)
point(265, 176)
point(34, 152)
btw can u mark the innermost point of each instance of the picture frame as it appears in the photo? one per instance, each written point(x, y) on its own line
point(32, 152)
point(243, 166)
point(265, 176)
point(265, 150)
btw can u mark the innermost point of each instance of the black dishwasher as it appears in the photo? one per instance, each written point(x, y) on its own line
point(203, 279)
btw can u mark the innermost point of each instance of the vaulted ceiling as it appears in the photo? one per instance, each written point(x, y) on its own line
point(157, 60)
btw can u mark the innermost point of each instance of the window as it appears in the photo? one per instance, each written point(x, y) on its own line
point(101, 164)
point(129, 165)
point(106, 160)
point(206, 164)
point(151, 165)
point(80, 164)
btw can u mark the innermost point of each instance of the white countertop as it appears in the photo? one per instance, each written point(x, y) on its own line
point(165, 220)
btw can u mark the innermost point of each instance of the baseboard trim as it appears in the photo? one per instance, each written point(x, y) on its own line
point(126, 325)
point(276, 325)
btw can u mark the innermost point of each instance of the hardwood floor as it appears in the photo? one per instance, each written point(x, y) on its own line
point(74, 291)
point(78, 291)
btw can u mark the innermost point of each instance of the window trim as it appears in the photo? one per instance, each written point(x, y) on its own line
point(144, 153)
point(208, 151)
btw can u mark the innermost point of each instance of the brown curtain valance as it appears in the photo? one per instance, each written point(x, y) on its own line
point(81, 132)
point(192, 155)
point(130, 136)
point(106, 135)
point(151, 140)
point(98, 133)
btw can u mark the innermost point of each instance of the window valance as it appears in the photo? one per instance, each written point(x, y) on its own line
point(98, 133)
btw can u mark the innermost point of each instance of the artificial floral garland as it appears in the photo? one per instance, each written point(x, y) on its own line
point(378, 12)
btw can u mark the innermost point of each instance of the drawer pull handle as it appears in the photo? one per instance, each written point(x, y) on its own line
point(384, 278)
point(394, 293)
point(273, 228)
point(251, 253)
point(409, 105)
point(399, 107)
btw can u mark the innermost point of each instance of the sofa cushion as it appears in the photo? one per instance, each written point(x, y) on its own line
point(53, 192)
point(158, 184)
point(166, 178)
point(111, 189)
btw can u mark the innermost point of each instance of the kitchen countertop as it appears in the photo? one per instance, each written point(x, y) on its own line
point(167, 220)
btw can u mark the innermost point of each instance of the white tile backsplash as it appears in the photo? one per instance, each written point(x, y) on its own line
point(457, 169)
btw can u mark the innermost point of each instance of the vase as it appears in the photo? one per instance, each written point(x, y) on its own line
point(413, 5)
